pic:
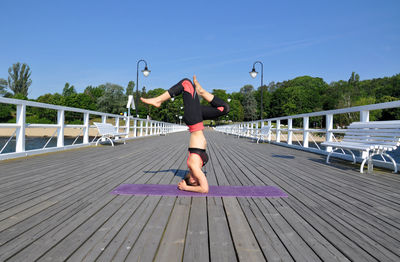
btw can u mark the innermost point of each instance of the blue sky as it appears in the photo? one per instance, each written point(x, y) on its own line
point(94, 42)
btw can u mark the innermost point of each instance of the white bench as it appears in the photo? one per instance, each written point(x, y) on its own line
point(110, 132)
point(370, 138)
point(264, 131)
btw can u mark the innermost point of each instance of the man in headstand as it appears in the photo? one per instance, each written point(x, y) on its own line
point(194, 114)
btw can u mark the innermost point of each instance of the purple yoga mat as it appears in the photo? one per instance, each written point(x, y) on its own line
point(215, 191)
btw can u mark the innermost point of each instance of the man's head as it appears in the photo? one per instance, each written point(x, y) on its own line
point(190, 180)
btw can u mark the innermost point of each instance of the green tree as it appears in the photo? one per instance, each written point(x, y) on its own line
point(76, 100)
point(142, 108)
point(249, 103)
point(163, 113)
point(391, 113)
point(3, 86)
point(266, 101)
point(68, 90)
point(236, 112)
point(221, 93)
point(19, 79)
point(48, 114)
point(94, 92)
point(113, 99)
point(5, 109)
point(130, 88)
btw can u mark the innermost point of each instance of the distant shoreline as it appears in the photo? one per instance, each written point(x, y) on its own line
point(46, 132)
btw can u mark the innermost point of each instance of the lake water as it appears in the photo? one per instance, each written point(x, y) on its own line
point(37, 142)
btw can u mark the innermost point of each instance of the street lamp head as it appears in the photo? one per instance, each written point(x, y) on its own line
point(253, 73)
point(146, 71)
point(229, 100)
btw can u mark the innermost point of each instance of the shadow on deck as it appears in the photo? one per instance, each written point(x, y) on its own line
point(58, 207)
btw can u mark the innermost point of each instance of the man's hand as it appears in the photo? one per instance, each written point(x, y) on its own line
point(182, 185)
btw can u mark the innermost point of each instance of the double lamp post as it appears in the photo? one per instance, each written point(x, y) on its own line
point(146, 72)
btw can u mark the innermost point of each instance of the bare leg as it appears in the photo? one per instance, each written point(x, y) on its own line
point(156, 101)
point(203, 93)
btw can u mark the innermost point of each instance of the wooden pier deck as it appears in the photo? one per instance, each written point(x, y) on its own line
point(58, 207)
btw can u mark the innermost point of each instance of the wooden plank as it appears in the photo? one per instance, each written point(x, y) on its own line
point(270, 242)
point(220, 240)
point(173, 241)
point(196, 244)
point(98, 242)
point(246, 245)
point(146, 245)
point(221, 244)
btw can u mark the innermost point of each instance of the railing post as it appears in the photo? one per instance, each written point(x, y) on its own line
point(278, 131)
point(20, 134)
point(135, 128)
point(269, 134)
point(86, 128)
point(329, 127)
point(147, 127)
point(151, 128)
point(141, 127)
point(364, 116)
point(103, 120)
point(306, 121)
point(117, 123)
point(127, 126)
point(290, 132)
point(61, 126)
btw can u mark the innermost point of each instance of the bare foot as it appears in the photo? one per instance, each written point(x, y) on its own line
point(151, 101)
point(199, 89)
point(203, 93)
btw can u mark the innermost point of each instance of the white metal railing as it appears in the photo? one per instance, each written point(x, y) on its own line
point(140, 127)
point(250, 129)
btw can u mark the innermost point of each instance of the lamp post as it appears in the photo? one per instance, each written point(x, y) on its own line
point(253, 74)
point(145, 72)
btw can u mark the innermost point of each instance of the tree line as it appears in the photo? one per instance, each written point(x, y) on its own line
point(302, 94)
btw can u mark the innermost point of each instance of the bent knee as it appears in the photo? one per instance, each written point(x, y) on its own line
point(185, 79)
point(226, 109)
